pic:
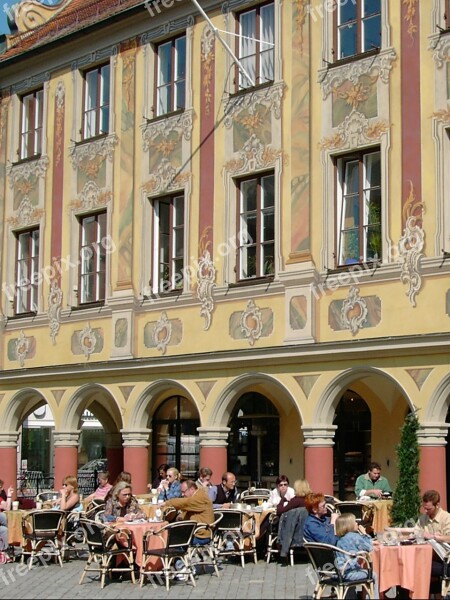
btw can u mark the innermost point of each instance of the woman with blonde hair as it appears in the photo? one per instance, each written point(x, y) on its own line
point(301, 489)
point(170, 486)
point(122, 506)
point(70, 498)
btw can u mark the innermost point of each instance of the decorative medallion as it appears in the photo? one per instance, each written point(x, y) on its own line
point(179, 125)
point(91, 196)
point(251, 322)
point(22, 347)
point(26, 214)
point(253, 156)
point(166, 178)
point(85, 155)
point(55, 297)
point(162, 333)
point(354, 311)
point(269, 97)
point(87, 339)
point(355, 131)
point(24, 171)
point(206, 276)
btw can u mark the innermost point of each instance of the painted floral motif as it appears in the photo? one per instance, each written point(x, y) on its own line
point(55, 298)
point(206, 275)
point(254, 155)
point(87, 339)
point(26, 214)
point(162, 333)
point(410, 15)
point(354, 311)
point(251, 322)
point(22, 347)
point(208, 58)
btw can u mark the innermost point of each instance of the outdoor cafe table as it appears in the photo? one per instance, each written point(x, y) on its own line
point(406, 566)
point(382, 514)
point(14, 520)
point(137, 535)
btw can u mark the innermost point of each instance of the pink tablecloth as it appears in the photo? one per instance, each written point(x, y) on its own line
point(137, 534)
point(407, 566)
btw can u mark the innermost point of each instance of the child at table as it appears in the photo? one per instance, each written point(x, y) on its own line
point(351, 540)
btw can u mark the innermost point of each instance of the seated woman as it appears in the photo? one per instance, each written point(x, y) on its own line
point(5, 505)
point(122, 476)
point(122, 506)
point(350, 539)
point(103, 487)
point(162, 474)
point(302, 489)
point(70, 498)
point(319, 527)
point(282, 493)
point(170, 487)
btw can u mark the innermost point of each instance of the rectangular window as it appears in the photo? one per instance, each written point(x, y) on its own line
point(96, 102)
point(171, 76)
point(256, 45)
point(256, 227)
point(92, 258)
point(359, 208)
point(32, 111)
point(168, 268)
point(358, 27)
point(447, 14)
point(27, 276)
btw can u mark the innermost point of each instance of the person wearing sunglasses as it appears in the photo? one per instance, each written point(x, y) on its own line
point(69, 497)
point(170, 486)
point(122, 506)
point(282, 492)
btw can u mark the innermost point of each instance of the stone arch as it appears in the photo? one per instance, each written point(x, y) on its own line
point(438, 404)
point(258, 382)
point(99, 400)
point(21, 405)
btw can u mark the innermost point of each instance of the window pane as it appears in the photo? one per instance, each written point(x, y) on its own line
point(164, 100)
point(372, 170)
point(268, 261)
point(372, 7)
point(267, 50)
point(248, 262)
point(268, 232)
point(248, 195)
point(267, 191)
point(247, 46)
point(372, 33)
point(347, 12)
point(104, 85)
point(180, 49)
point(351, 181)
point(91, 90)
point(347, 40)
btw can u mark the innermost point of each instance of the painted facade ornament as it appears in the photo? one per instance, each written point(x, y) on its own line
point(91, 196)
point(162, 333)
point(269, 97)
point(251, 322)
point(92, 152)
point(206, 276)
point(253, 155)
point(410, 248)
point(26, 214)
point(178, 124)
point(354, 311)
point(375, 67)
point(207, 53)
point(22, 347)
point(60, 94)
point(356, 130)
point(410, 15)
point(87, 339)
point(440, 46)
point(24, 171)
point(55, 298)
point(165, 178)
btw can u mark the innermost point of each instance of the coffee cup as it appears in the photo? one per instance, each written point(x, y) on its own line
point(15, 505)
point(38, 505)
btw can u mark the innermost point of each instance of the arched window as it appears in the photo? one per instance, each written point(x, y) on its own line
point(175, 439)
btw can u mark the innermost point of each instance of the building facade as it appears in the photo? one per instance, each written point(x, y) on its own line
point(226, 233)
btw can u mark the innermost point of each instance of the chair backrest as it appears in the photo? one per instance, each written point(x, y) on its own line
point(170, 514)
point(265, 492)
point(231, 520)
point(47, 495)
point(43, 522)
point(356, 508)
point(254, 499)
point(322, 558)
point(180, 533)
point(94, 535)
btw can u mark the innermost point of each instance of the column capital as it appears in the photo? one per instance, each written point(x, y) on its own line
point(213, 436)
point(318, 435)
point(432, 434)
point(66, 439)
point(138, 438)
point(8, 439)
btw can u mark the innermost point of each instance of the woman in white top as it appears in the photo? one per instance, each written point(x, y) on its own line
point(282, 493)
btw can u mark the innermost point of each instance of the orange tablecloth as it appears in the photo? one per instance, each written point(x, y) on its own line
point(14, 519)
point(382, 516)
point(407, 566)
point(137, 535)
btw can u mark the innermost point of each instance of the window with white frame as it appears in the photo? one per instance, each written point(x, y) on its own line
point(27, 275)
point(96, 102)
point(256, 226)
point(358, 214)
point(92, 276)
point(171, 76)
point(357, 27)
point(32, 112)
point(255, 44)
point(168, 235)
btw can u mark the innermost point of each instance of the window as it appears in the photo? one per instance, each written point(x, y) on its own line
point(359, 208)
point(32, 110)
point(256, 227)
point(96, 102)
point(171, 76)
point(358, 27)
point(256, 44)
point(92, 258)
point(447, 14)
point(27, 277)
point(169, 244)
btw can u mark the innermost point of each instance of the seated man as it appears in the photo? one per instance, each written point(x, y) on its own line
point(372, 483)
point(225, 494)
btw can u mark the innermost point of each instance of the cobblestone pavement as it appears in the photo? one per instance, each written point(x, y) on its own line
point(254, 581)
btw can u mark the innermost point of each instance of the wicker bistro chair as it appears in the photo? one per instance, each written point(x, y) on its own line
point(176, 541)
point(94, 507)
point(43, 532)
point(445, 578)
point(254, 499)
point(74, 539)
point(265, 492)
point(104, 550)
point(323, 558)
point(272, 536)
point(364, 512)
point(235, 535)
point(207, 554)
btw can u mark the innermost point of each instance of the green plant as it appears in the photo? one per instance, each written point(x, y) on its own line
point(406, 501)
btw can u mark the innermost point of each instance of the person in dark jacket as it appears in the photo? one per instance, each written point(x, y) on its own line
point(302, 489)
point(224, 494)
point(319, 527)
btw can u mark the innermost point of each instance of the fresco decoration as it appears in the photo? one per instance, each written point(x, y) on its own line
point(205, 387)
point(163, 333)
point(89, 160)
point(306, 382)
point(87, 341)
point(206, 282)
point(349, 96)
point(301, 12)
point(409, 15)
point(60, 93)
point(419, 376)
point(55, 298)
point(298, 316)
point(126, 391)
point(251, 324)
point(91, 196)
point(26, 214)
point(208, 61)
point(57, 395)
point(24, 180)
point(355, 131)
point(21, 348)
point(163, 139)
point(253, 156)
point(166, 178)
point(411, 245)
point(443, 116)
point(354, 312)
point(121, 333)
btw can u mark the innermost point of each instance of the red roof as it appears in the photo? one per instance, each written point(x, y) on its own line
point(74, 17)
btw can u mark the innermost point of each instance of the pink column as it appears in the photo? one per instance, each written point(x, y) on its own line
point(213, 450)
point(8, 459)
point(432, 463)
point(66, 455)
point(114, 454)
point(135, 458)
point(319, 458)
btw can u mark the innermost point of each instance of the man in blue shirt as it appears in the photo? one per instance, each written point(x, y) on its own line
point(318, 526)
